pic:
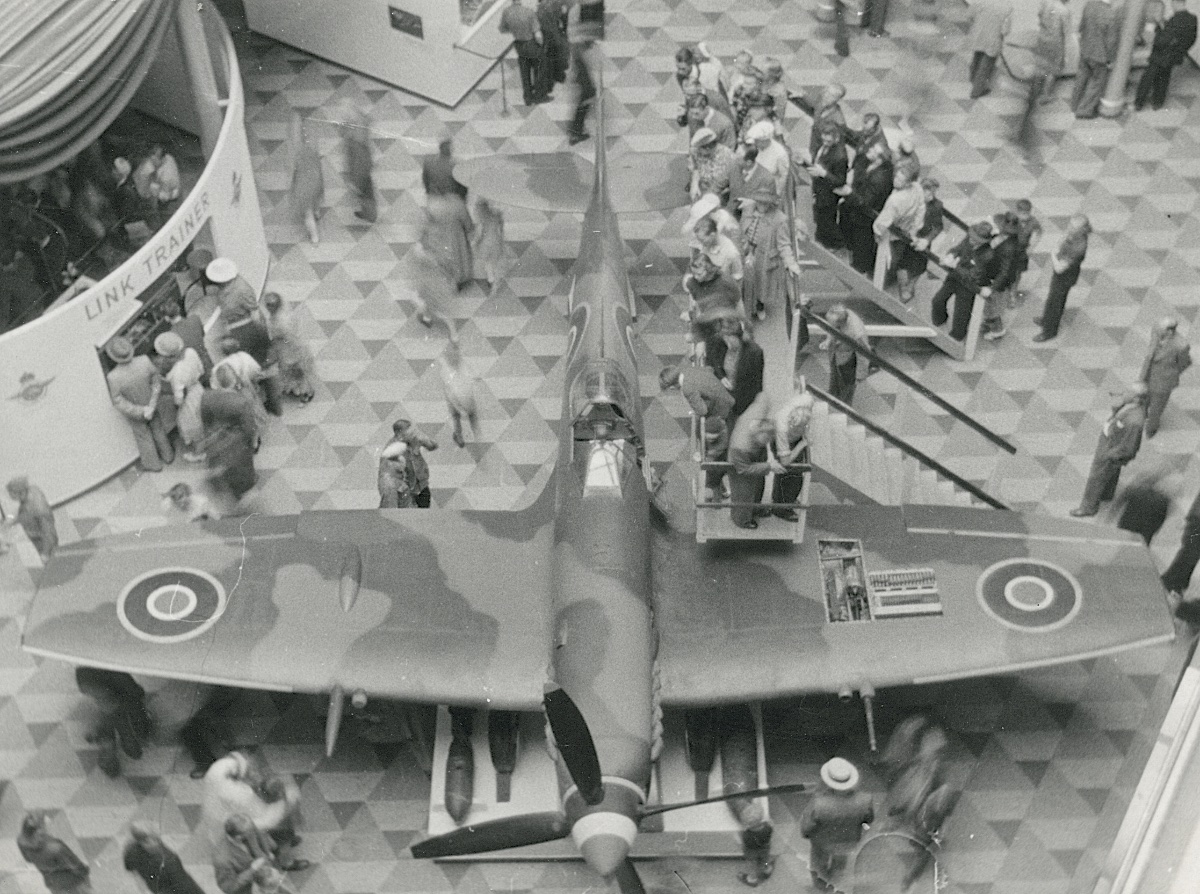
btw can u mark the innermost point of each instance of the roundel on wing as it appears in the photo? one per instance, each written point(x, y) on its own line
point(171, 605)
point(1030, 595)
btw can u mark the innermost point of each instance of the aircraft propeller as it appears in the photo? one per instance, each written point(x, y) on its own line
point(574, 743)
point(578, 752)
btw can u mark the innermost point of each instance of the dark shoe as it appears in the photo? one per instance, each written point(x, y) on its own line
point(1042, 336)
point(788, 515)
point(1080, 512)
point(751, 525)
point(577, 138)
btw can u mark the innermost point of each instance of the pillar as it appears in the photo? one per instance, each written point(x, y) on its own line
point(1113, 102)
point(198, 62)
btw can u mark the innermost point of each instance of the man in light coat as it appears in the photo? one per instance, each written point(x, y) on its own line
point(992, 21)
point(1168, 357)
point(135, 387)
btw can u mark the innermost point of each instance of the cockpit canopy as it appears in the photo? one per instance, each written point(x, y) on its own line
point(599, 396)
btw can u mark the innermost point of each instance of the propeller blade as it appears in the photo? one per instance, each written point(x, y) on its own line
point(575, 744)
point(478, 838)
point(628, 879)
point(790, 787)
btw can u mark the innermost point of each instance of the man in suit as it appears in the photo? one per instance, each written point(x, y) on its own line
point(752, 459)
point(1120, 439)
point(1178, 575)
point(833, 820)
point(1168, 357)
point(522, 24)
point(1172, 40)
point(135, 387)
point(1099, 36)
point(992, 21)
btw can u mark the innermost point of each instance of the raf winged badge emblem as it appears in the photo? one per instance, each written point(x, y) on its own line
point(31, 389)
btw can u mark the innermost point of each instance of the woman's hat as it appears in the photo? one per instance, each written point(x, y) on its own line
point(763, 130)
point(119, 350)
point(705, 136)
point(702, 207)
point(981, 230)
point(839, 774)
point(168, 344)
point(222, 270)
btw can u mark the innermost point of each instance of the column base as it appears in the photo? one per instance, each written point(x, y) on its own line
point(1110, 108)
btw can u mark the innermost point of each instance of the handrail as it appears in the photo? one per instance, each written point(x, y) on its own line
point(904, 377)
point(714, 465)
point(907, 448)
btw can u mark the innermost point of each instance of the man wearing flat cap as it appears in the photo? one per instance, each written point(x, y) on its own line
point(135, 387)
point(1120, 440)
point(972, 276)
point(834, 819)
point(1168, 357)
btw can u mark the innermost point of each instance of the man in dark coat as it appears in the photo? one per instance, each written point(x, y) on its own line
point(749, 452)
point(156, 864)
point(971, 276)
point(833, 820)
point(1120, 440)
point(123, 716)
point(552, 17)
point(1172, 40)
point(1178, 575)
point(437, 172)
point(253, 337)
point(828, 170)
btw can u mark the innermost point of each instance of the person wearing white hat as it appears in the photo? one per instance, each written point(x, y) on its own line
point(772, 156)
point(834, 819)
point(135, 387)
point(235, 296)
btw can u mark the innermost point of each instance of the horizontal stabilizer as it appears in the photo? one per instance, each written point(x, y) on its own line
point(562, 181)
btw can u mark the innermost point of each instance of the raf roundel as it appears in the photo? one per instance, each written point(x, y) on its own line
point(171, 605)
point(1030, 595)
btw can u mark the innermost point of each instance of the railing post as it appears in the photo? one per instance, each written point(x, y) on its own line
point(883, 257)
point(974, 326)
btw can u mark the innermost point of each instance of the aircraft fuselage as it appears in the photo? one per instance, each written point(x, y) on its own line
point(603, 635)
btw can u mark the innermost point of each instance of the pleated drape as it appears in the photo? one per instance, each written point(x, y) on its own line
point(67, 69)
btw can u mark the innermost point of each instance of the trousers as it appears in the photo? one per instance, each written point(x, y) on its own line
point(1056, 301)
point(1101, 484)
point(1178, 576)
point(982, 68)
point(964, 301)
point(1153, 85)
point(1090, 81)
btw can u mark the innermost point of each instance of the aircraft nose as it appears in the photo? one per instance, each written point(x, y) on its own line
point(604, 853)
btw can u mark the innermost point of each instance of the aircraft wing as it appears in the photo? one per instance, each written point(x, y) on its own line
point(562, 181)
point(744, 621)
point(447, 607)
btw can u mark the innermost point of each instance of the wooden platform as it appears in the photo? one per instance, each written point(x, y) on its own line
point(717, 524)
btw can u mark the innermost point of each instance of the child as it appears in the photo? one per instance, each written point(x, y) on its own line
point(1029, 231)
point(489, 241)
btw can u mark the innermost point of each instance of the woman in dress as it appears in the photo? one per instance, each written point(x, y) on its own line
point(447, 237)
point(308, 181)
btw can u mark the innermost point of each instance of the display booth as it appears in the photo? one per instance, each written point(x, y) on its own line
point(57, 422)
point(438, 49)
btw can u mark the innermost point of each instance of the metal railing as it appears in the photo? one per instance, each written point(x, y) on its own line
point(907, 448)
point(806, 315)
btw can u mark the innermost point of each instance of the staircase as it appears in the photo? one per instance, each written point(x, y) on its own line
point(854, 465)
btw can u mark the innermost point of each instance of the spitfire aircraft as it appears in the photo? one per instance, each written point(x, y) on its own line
point(586, 605)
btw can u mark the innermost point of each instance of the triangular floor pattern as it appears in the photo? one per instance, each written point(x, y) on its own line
point(1046, 760)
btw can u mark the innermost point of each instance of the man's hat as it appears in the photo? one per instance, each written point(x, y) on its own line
point(705, 136)
point(119, 349)
point(222, 270)
point(168, 344)
point(839, 774)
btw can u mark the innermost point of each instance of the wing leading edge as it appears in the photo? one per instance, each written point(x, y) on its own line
point(749, 622)
point(447, 607)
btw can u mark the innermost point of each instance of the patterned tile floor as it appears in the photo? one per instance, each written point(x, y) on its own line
point(1046, 760)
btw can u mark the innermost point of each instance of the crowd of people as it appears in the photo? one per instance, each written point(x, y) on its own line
point(80, 220)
